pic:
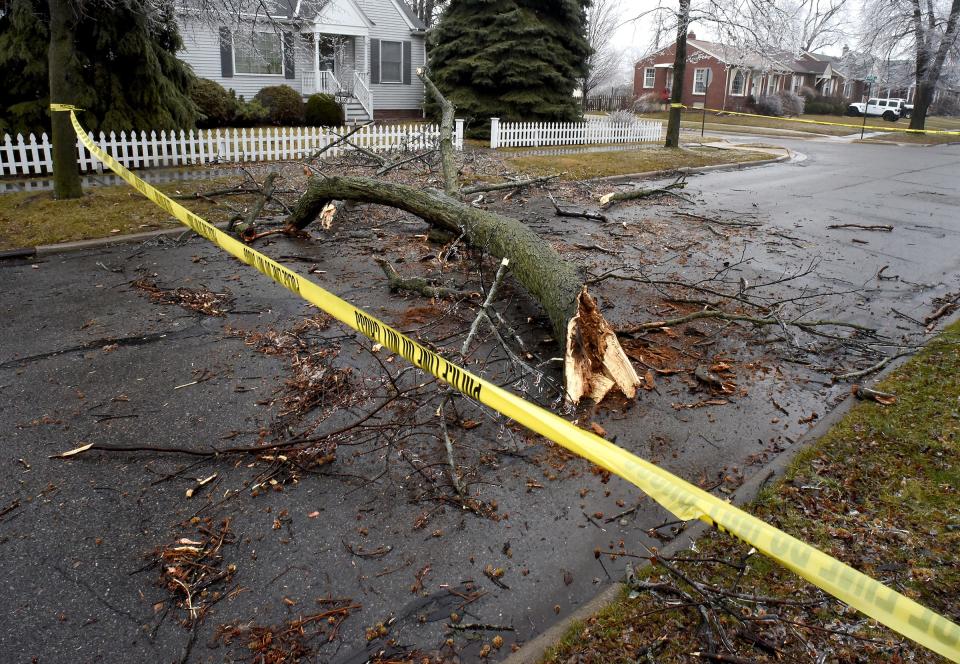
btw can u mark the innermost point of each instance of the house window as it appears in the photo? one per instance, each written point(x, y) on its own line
point(262, 53)
point(774, 84)
point(649, 77)
point(827, 87)
point(848, 89)
point(738, 83)
point(391, 61)
point(700, 81)
point(796, 83)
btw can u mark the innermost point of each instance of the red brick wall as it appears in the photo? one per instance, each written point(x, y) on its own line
point(696, 59)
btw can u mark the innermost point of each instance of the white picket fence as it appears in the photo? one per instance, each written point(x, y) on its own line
point(537, 134)
point(32, 156)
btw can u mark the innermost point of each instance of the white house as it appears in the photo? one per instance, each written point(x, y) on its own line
point(365, 52)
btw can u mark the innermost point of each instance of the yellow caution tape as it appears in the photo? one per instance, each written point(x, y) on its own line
point(822, 122)
point(683, 499)
point(64, 107)
point(677, 106)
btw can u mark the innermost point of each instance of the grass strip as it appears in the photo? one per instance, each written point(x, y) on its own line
point(584, 165)
point(880, 491)
point(32, 218)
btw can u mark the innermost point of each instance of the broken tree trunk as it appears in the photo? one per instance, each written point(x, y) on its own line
point(447, 161)
point(594, 360)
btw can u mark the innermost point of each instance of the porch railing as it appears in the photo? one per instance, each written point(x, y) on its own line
point(323, 82)
point(362, 92)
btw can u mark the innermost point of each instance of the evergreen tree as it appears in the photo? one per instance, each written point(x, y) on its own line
point(512, 59)
point(125, 71)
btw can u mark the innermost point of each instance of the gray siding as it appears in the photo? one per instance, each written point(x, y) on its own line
point(201, 50)
point(392, 26)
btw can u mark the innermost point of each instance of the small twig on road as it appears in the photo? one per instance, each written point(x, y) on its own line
point(886, 228)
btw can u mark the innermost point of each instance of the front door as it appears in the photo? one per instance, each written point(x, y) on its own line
point(328, 55)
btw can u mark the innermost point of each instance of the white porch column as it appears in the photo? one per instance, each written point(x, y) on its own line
point(316, 61)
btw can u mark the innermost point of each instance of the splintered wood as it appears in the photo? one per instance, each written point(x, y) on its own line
point(594, 361)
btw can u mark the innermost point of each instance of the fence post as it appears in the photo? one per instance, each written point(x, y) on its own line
point(458, 134)
point(494, 133)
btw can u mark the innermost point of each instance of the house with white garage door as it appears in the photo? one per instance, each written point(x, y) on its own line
point(364, 52)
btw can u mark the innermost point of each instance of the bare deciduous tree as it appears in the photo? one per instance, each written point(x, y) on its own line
point(822, 23)
point(427, 11)
point(604, 62)
point(927, 30)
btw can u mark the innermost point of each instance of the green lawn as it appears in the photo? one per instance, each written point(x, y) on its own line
point(584, 165)
point(28, 219)
point(880, 491)
point(692, 119)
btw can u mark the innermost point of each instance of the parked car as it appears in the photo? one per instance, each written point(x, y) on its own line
point(890, 110)
point(906, 109)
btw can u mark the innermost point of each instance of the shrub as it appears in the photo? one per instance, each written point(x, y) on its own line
point(323, 111)
point(825, 106)
point(217, 106)
point(648, 103)
point(284, 104)
point(791, 102)
point(769, 105)
point(250, 113)
point(621, 117)
point(816, 103)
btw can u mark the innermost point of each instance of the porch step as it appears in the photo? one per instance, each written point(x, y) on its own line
point(353, 112)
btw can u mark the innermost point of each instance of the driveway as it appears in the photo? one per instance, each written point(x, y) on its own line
point(87, 356)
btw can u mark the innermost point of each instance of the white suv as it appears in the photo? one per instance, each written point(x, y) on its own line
point(889, 109)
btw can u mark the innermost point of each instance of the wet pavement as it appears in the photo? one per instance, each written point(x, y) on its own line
point(86, 357)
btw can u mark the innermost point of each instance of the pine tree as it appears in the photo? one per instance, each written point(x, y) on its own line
point(512, 59)
point(125, 55)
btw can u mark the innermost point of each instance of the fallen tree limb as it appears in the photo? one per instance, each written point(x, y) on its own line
point(611, 199)
point(417, 285)
point(875, 367)
point(886, 228)
point(720, 222)
point(247, 228)
point(400, 162)
point(500, 186)
point(447, 161)
point(340, 139)
point(594, 360)
point(597, 216)
point(941, 311)
point(723, 315)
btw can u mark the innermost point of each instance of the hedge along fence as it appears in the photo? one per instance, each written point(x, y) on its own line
point(536, 134)
point(32, 156)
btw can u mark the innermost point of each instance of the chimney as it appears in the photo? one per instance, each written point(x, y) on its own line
point(846, 49)
point(691, 35)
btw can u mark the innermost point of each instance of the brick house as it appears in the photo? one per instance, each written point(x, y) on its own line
point(722, 77)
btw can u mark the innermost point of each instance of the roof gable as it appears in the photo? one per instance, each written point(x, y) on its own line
point(342, 17)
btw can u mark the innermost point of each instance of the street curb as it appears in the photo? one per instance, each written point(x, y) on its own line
point(692, 170)
point(43, 250)
point(533, 651)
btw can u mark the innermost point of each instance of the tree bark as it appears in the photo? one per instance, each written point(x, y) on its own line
point(62, 66)
point(595, 362)
point(679, 67)
point(930, 65)
point(447, 161)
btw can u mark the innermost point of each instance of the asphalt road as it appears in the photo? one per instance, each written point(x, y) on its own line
point(84, 357)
